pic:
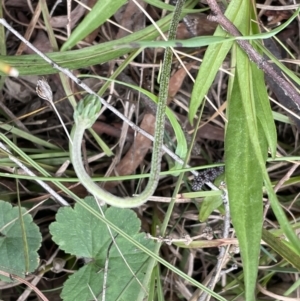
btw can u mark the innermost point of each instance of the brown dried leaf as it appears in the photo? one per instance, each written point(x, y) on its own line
point(137, 151)
point(41, 42)
point(276, 17)
point(17, 90)
point(17, 3)
point(113, 131)
point(130, 17)
point(76, 14)
point(176, 81)
point(30, 29)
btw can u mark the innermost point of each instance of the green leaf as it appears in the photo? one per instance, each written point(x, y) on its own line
point(27, 136)
point(213, 58)
point(263, 108)
point(78, 232)
point(211, 202)
point(244, 181)
point(12, 257)
point(244, 156)
point(101, 11)
point(257, 139)
point(193, 42)
point(281, 248)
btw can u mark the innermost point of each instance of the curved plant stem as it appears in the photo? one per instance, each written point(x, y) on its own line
point(86, 114)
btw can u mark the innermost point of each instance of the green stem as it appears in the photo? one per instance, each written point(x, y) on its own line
point(164, 89)
point(86, 114)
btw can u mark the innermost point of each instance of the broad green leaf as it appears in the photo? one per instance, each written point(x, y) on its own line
point(243, 169)
point(245, 185)
point(101, 11)
point(244, 182)
point(89, 238)
point(245, 83)
point(12, 257)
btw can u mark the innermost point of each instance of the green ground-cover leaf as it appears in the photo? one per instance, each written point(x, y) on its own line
point(78, 232)
point(12, 257)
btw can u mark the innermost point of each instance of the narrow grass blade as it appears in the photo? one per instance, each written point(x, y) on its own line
point(101, 11)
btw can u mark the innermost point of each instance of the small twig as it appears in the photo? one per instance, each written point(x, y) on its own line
point(186, 239)
point(37, 277)
point(57, 2)
point(286, 177)
point(105, 272)
point(34, 288)
point(279, 184)
point(272, 296)
point(254, 56)
point(223, 250)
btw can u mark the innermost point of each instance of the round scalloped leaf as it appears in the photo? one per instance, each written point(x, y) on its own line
point(12, 257)
point(79, 232)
